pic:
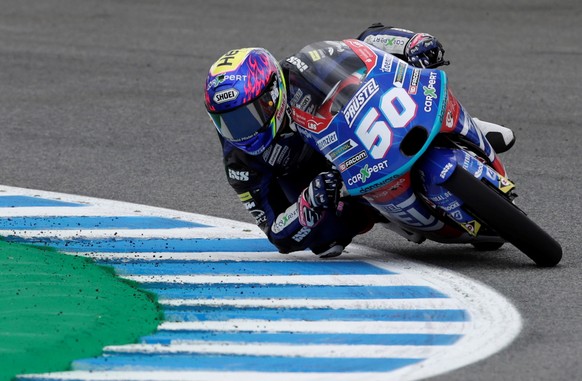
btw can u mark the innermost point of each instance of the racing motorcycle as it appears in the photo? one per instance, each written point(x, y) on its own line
point(403, 142)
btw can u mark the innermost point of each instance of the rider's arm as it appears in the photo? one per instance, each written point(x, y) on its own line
point(263, 197)
point(418, 49)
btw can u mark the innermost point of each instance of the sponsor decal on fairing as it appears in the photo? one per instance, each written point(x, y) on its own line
point(342, 149)
point(386, 65)
point(407, 212)
point(359, 100)
point(445, 170)
point(366, 172)
point(353, 160)
point(326, 140)
point(430, 92)
point(400, 75)
point(413, 88)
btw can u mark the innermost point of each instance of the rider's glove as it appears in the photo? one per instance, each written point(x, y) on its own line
point(321, 194)
point(425, 51)
point(323, 191)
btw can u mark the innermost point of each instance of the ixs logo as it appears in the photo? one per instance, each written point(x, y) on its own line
point(225, 95)
point(362, 97)
point(326, 140)
point(353, 160)
point(238, 175)
point(366, 173)
point(429, 92)
point(300, 65)
point(301, 234)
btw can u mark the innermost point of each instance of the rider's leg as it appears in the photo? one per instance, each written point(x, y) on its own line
point(501, 138)
point(352, 217)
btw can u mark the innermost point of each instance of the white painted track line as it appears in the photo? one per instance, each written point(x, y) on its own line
point(289, 350)
point(309, 280)
point(372, 304)
point(329, 326)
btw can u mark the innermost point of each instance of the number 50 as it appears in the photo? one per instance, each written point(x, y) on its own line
point(375, 134)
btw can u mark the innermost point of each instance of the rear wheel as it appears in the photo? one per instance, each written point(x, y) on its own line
point(501, 215)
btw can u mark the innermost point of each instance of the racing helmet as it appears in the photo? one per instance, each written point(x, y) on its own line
point(246, 98)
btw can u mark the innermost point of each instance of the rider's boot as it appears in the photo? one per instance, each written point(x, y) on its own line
point(333, 251)
point(501, 138)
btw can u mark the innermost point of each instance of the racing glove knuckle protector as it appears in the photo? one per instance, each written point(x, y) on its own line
point(321, 194)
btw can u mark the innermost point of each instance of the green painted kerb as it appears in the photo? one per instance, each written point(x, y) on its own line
point(55, 308)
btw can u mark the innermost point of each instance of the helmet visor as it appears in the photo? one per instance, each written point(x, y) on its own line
point(247, 120)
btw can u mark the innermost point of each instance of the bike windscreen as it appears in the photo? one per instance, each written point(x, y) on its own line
point(325, 71)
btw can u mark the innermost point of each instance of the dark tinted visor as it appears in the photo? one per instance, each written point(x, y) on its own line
point(245, 121)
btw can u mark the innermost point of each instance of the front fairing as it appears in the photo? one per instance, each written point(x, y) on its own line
point(363, 140)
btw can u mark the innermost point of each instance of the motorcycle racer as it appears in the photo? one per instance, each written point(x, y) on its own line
point(292, 191)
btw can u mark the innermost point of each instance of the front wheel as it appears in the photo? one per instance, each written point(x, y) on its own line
point(501, 215)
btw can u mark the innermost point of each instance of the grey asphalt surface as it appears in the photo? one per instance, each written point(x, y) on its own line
point(104, 99)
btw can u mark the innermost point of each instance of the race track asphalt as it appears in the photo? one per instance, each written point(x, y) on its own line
point(104, 99)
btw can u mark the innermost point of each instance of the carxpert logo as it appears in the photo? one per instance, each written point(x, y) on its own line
point(366, 172)
point(285, 219)
point(430, 92)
